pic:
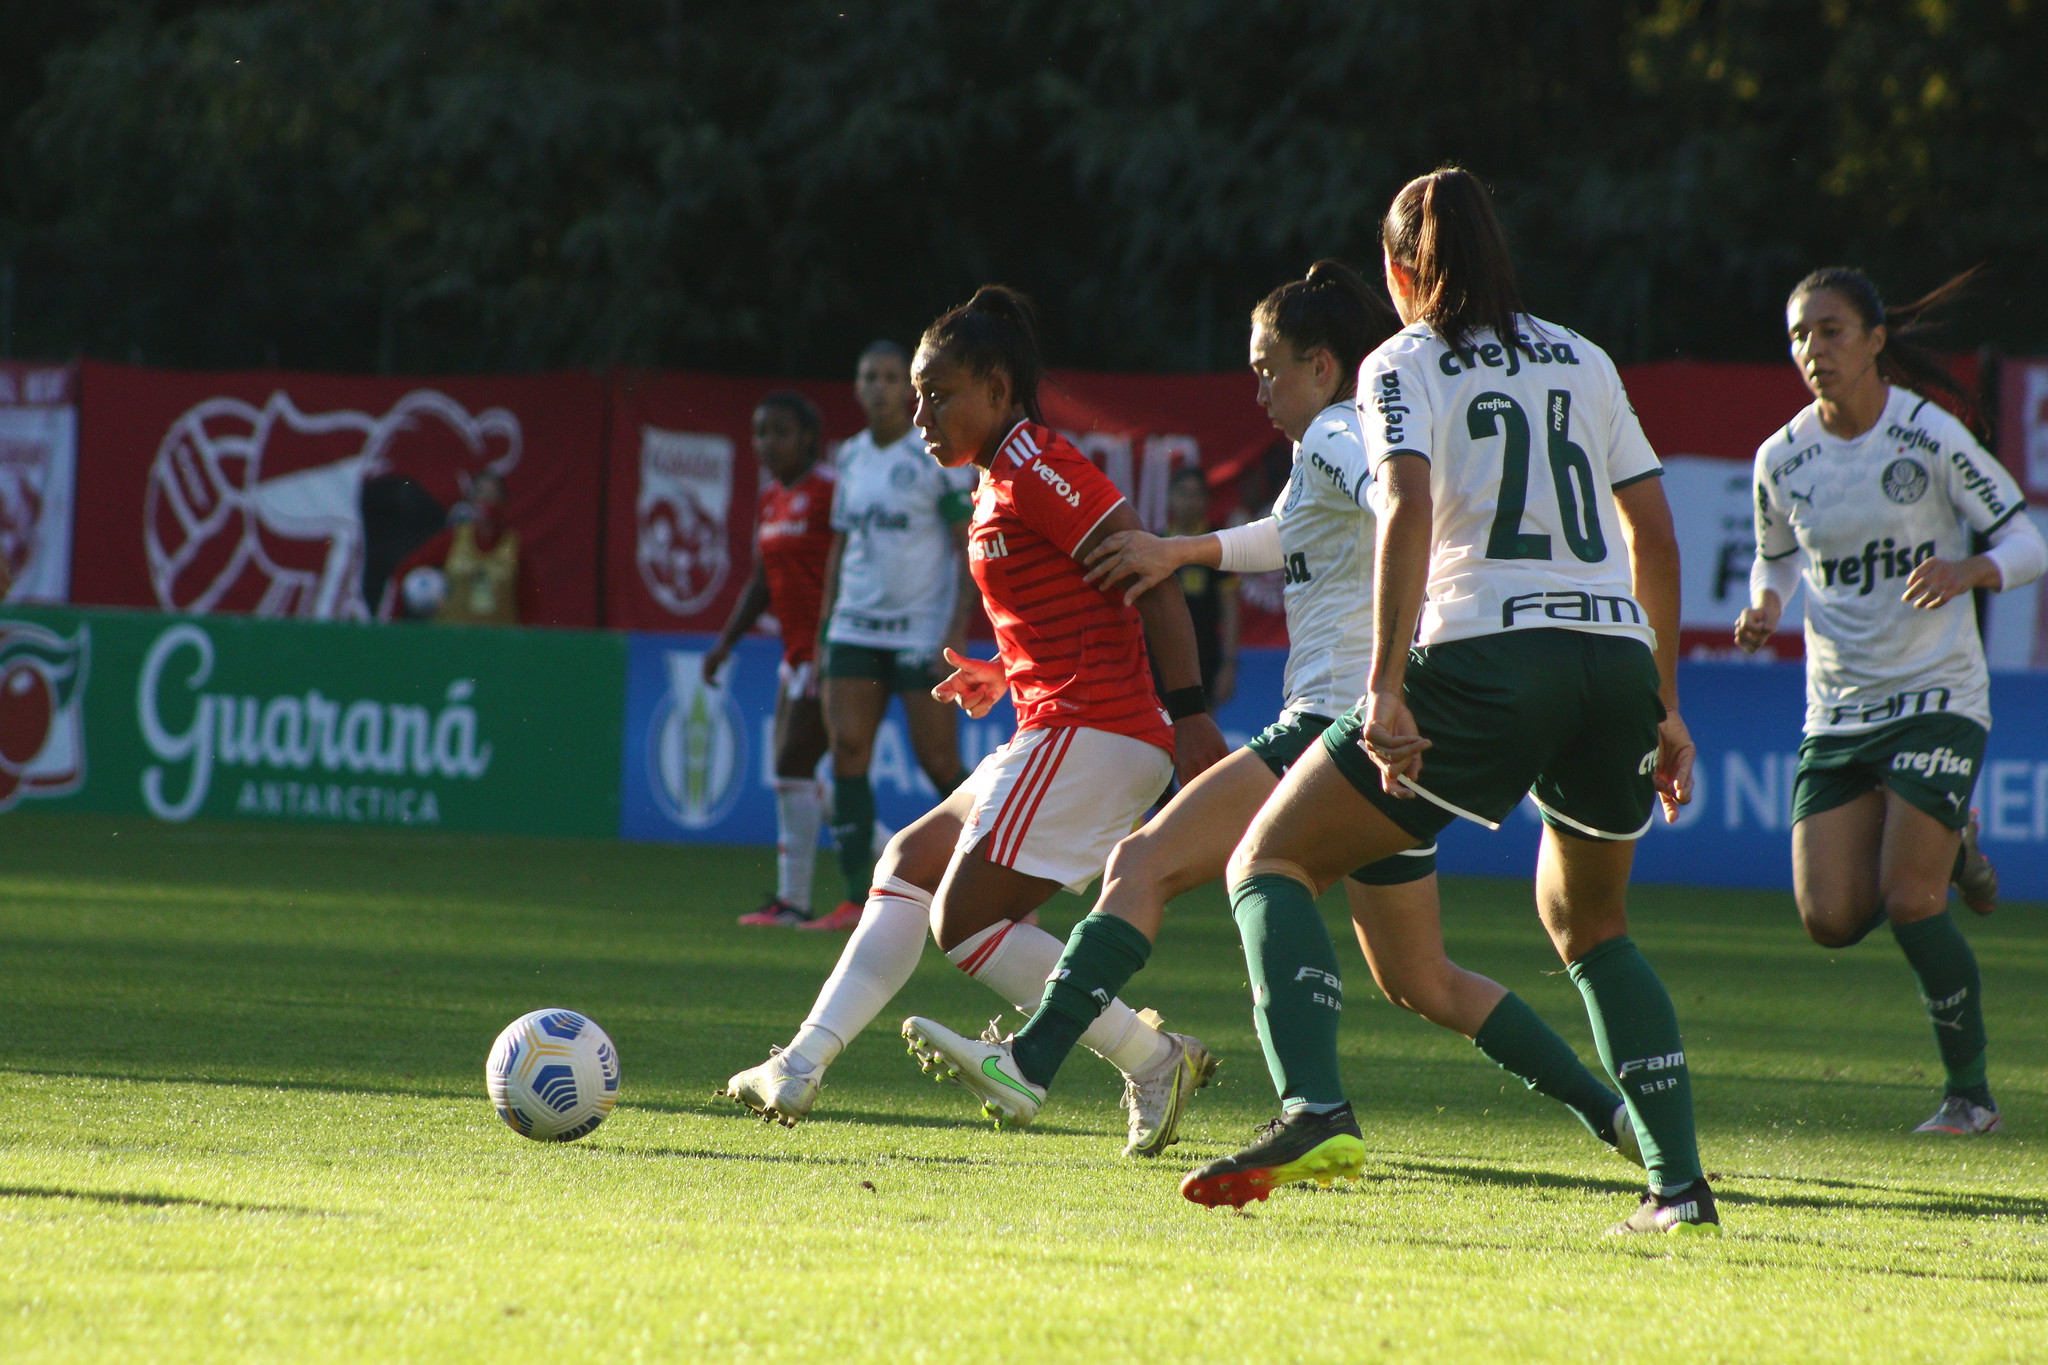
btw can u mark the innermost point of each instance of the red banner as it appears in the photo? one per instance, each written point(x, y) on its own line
point(2023, 423)
point(286, 494)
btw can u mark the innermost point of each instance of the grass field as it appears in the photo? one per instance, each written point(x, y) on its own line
point(244, 1120)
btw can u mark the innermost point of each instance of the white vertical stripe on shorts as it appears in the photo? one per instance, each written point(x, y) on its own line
point(1053, 803)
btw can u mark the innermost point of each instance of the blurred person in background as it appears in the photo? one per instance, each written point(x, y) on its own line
point(793, 539)
point(481, 571)
point(896, 595)
point(1211, 593)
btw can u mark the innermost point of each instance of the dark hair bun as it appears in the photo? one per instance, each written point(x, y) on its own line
point(997, 329)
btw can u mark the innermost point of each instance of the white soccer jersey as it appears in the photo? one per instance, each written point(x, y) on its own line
point(1525, 444)
point(1326, 548)
point(899, 574)
point(1863, 513)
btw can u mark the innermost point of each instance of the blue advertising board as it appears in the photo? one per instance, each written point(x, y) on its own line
point(699, 766)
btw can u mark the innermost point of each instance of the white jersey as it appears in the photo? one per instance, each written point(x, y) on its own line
point(1863, 513)
point(1526, 445)
point(1326, 547)
point(899, 573)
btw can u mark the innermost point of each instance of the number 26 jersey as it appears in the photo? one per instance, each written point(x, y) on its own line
point(1526, 445)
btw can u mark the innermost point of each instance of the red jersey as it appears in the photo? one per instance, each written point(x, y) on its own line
point(795, 539)
point(1074, 654)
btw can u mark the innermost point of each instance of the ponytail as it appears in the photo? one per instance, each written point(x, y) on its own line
point(1442, 228)
point(995, 330)
point(1332, 307)
point(1904, 361)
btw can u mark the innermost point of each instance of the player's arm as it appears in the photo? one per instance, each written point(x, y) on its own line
point(1653, 567)
point(829, 592)
point(1991, 502)
point(1774, 573)
point(1228, 629)
point(1170, 637)
point(745, 613)
point(1400, 573)
point(965, 593)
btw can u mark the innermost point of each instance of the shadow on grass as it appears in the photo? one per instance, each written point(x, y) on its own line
point(801, 1159)
point(154, 1201)
point(1857, 1195)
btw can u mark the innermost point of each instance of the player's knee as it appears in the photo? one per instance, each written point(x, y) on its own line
point(1836, 924)
point(1135, 862)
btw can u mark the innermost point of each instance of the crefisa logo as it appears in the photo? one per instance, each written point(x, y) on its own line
point(42, 723)
point(696, 745)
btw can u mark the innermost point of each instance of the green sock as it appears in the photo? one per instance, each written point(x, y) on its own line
point(1519, 1042)
point(1953, 992)
point(853, 831)
point(1102, 954)
point(1637, 1032)
point(1297, 996)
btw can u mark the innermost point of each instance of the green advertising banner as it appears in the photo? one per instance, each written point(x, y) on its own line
point(231, 717)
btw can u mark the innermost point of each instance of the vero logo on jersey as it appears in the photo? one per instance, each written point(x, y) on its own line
point(1054, 480)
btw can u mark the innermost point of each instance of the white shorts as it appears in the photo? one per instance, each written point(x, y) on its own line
point(1053, 803)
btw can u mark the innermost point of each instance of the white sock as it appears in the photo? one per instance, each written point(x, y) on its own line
point(799, 815)
point(877, 961)
point(1013, 959)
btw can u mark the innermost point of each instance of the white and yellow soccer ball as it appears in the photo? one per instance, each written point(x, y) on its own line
point(553, 1075)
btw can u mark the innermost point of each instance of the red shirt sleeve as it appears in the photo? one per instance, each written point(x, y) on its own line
point(1060, 494)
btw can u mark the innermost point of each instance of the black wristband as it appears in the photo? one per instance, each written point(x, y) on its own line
point(1183, 702)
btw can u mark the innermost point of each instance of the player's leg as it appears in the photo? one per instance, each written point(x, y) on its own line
point(1185, 846)
point(876, 962)
point(1597, 793)
point(1316, 826)
point(800, 741)
point(855, 697)
point(1582, 896)
point(934, 725)
point(1400, 931)
point(1052, 805)
point(1835, 865)
point(1914, 863)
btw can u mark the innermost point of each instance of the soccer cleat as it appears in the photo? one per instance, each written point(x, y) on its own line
point(984, 1067)
point(774, 1092)
point(1156, 1098)
point(775, 913)
point(843, 917)
point(1689, 1213)
point(1978, 881)
point(1960, 1116)
point(1296, 1146)
point(1627, 1145)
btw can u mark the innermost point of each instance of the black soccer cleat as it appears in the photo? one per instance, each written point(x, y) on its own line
point(1689, 1213)
point(1296, 1146)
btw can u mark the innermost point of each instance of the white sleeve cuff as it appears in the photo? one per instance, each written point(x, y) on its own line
point(1251, 548)
point(2019, 552)
point(1780, 575)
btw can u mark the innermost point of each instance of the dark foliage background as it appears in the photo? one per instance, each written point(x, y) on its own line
point(505, 184)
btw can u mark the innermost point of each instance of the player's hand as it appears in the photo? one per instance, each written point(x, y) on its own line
point(1675, 754)
point(974, 685)
point(1937, 582)
point(714, 659)
point(1758, 623)
point(1392, 742)
point(1139, 556)
point(1197, 746)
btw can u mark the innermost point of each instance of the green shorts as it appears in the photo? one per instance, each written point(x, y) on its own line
point(1930, 761)
point(897, 670)
point(1286, 740)
point(1568, 715)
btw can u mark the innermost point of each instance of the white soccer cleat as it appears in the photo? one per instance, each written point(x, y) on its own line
point(1156, 1098)
point(1961, 1117)
point(775, 1092)
point(984, 1067)
point(1627, 1145)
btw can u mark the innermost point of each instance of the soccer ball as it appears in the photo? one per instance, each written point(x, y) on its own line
point(553, 1075)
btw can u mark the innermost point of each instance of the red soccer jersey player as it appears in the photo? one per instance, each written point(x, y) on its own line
point(794, 538)
point(1074, 654)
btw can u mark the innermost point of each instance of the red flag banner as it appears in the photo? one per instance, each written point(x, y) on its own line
point(283, 494)
point(38, 480)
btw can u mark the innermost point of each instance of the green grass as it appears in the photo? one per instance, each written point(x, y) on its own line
point(244, 1120)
